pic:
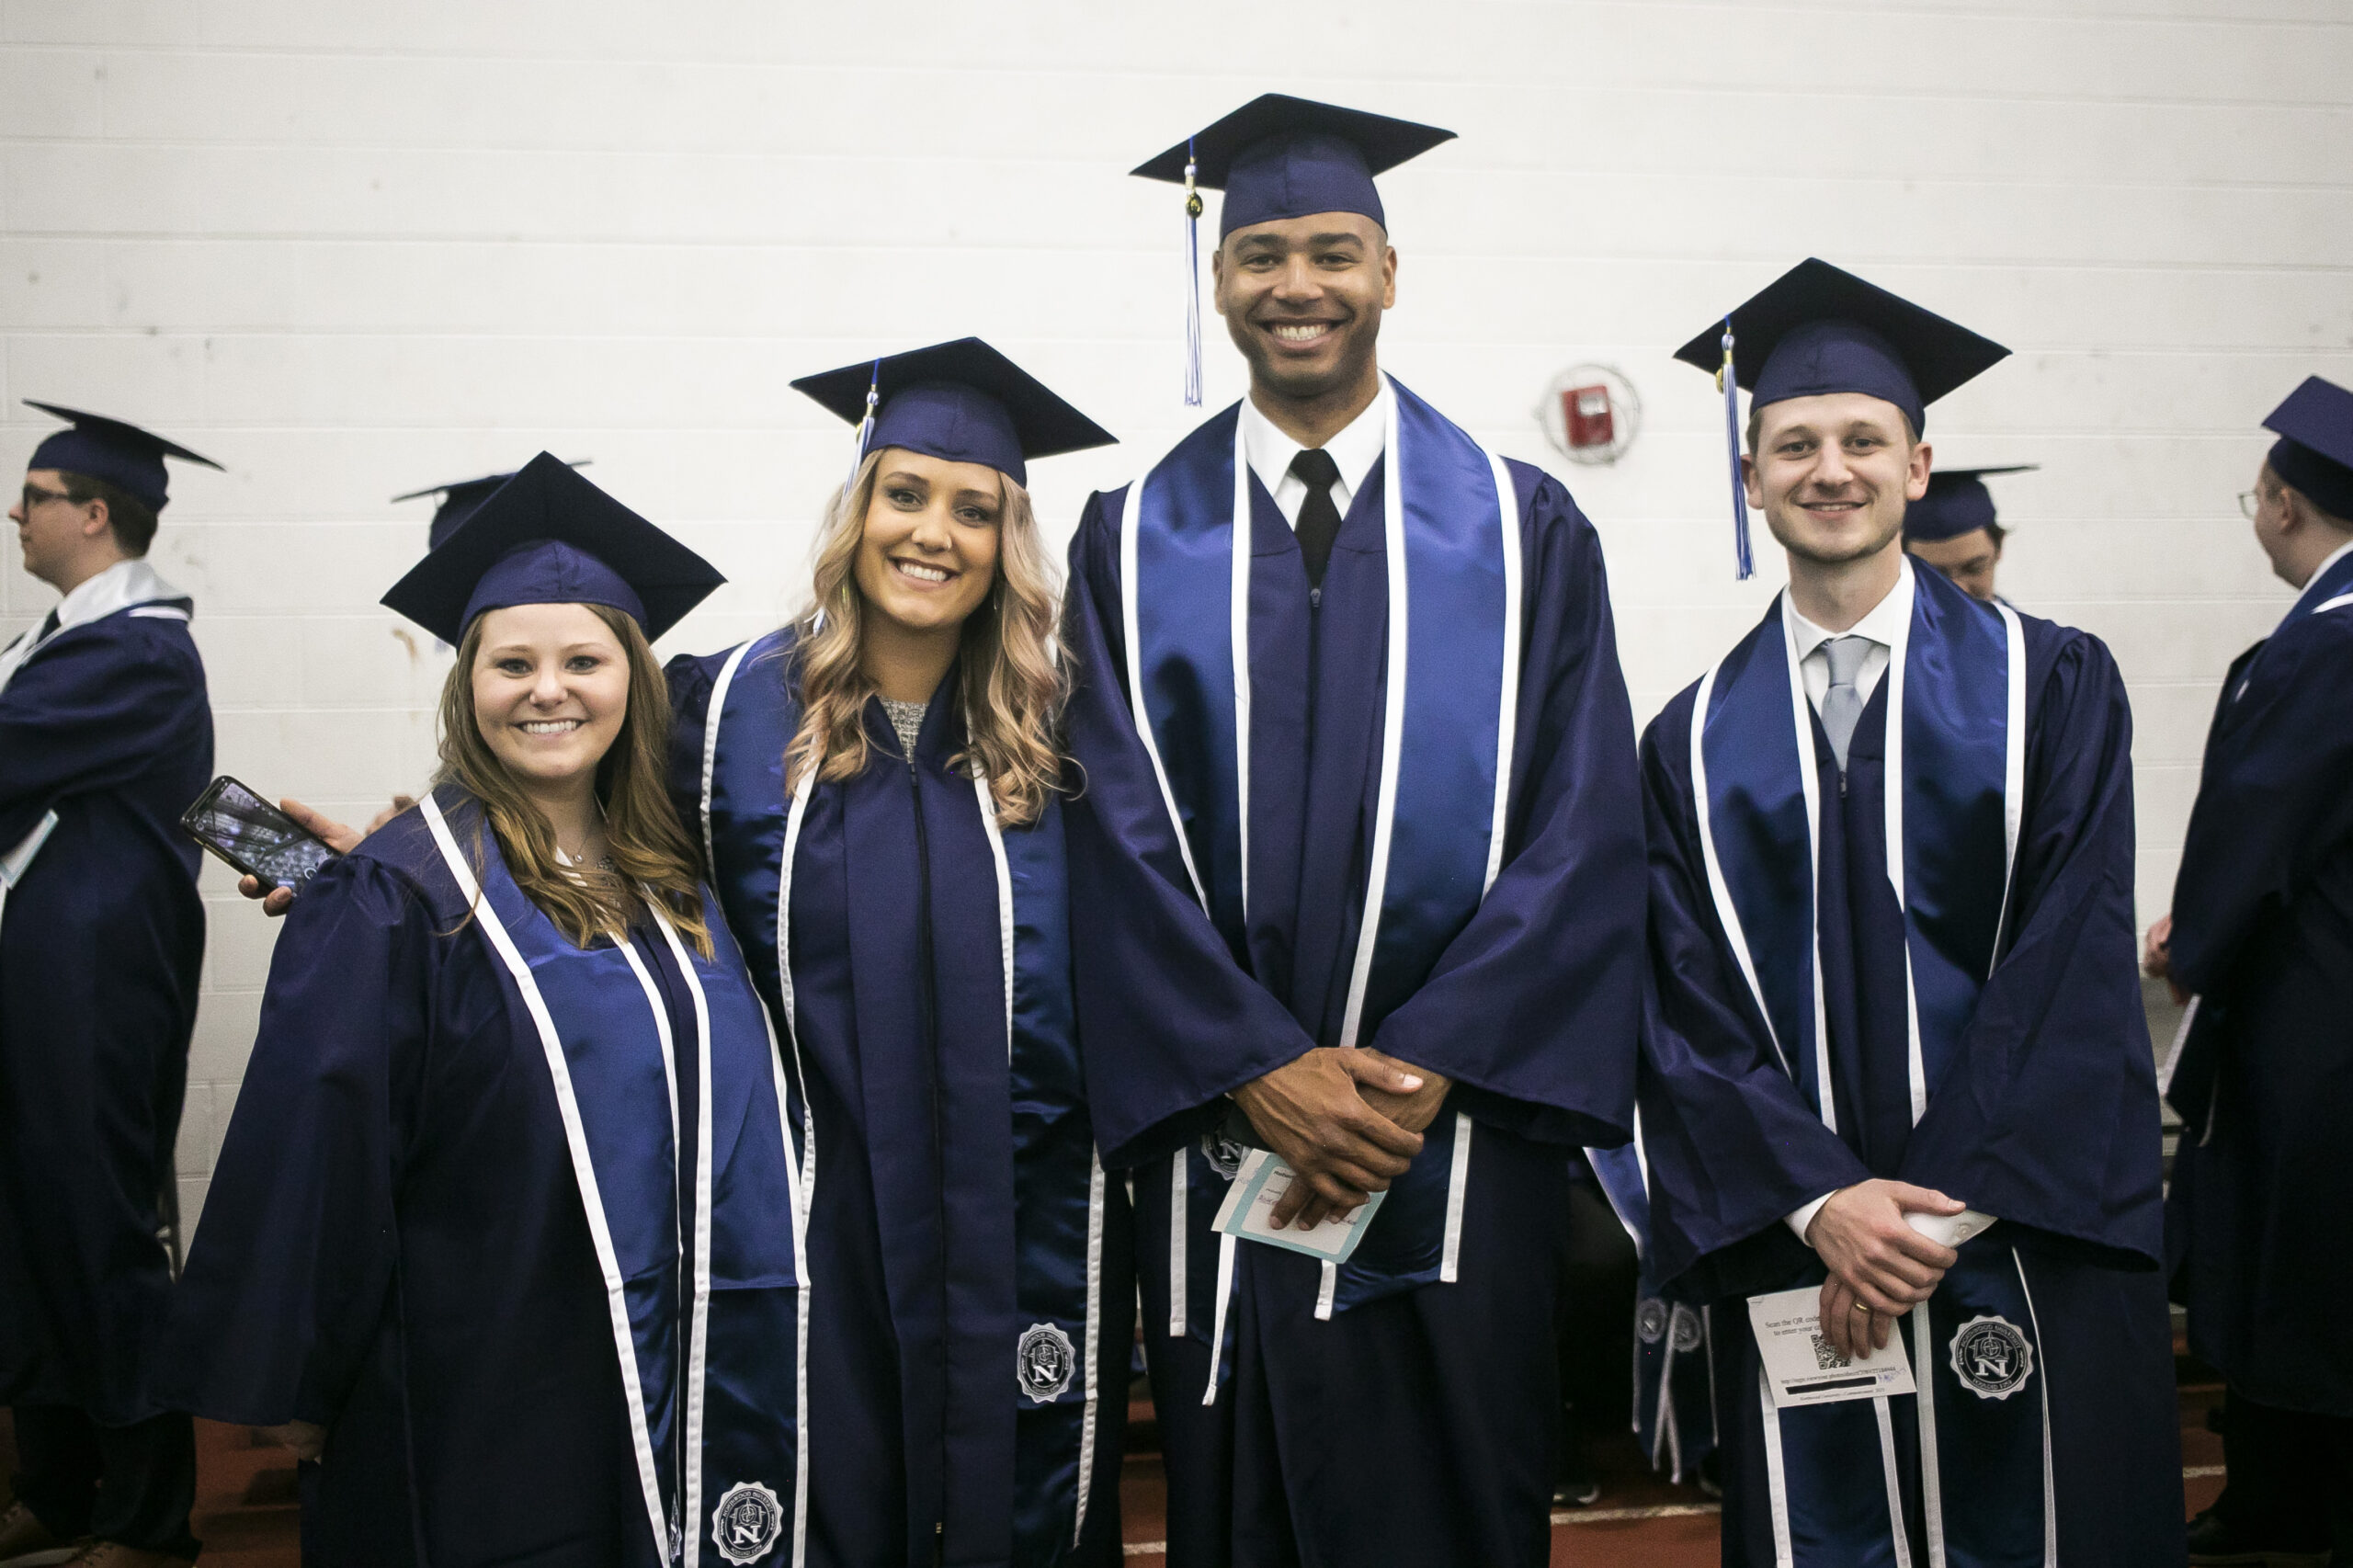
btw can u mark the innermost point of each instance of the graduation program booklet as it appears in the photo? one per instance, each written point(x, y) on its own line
point(1250, 1203)
point(1802, 1366)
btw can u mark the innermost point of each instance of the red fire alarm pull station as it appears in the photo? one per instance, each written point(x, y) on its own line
point(1586, 414)
point(1590, 414)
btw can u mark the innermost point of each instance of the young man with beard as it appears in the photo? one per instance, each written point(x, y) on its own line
point(1356, 878)
point(1901, 1092)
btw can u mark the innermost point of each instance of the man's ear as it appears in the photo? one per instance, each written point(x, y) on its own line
point(1751, 481)
point(99, 521)
point(1217, 279)
point(1389, 278)
point(1918, 468)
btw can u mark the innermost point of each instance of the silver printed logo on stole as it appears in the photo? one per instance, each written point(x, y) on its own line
point(1225, 1155)
point(747, 1523)
point(1686, 1329)
point(1991, 1358)
point(1045, 1361)
point(1650, 1320)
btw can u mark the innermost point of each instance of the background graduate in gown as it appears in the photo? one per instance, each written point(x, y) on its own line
point(2261, 1221)
point(1399, 928)
point(1954, 530)
point(1890, 841)
point(106, 737)
point(504, 1231)
point(880, 788)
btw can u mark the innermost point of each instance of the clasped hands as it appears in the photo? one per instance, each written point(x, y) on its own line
point(1347, 1121)
point(1876, 1260)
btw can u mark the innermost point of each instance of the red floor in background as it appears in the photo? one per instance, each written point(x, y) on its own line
point(246, 1516)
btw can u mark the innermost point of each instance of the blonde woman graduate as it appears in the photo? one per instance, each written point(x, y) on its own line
point(506, 1232)
point(878, 789)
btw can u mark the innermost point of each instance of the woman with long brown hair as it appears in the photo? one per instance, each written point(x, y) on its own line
point(506, 1231)
point(877, 788)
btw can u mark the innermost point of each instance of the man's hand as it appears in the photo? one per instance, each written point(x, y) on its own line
point(1414, 1112)
point(1851, 1330)
point(307, 1439)
point(342, 840)
point(2156, 959)
point(1875, 1257)
point(1310, 1112)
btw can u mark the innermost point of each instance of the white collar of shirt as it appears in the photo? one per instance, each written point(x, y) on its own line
point(1354, 450)
point(1880, 627)
point(2339, 553)
point(118, 587)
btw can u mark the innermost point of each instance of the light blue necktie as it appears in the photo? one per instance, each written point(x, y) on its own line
point(1842, 705)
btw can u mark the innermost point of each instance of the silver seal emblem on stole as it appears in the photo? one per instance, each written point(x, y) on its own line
point(1991, 1358)
point(1686, 1329)
point(1045, 1361)
point(747, 1523)
point(1224, 1154)
point(1650, 1320)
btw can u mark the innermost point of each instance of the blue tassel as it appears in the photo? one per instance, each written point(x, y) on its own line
point(865, 428)
point(1192, 283)
point(1743, 562)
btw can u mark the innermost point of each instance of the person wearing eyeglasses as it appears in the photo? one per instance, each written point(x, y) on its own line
point(2260, 1215)
point(105, 735)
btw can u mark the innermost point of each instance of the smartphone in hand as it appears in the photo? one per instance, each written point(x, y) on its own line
point(253, 836)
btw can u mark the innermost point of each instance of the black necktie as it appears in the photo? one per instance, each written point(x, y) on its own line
point(1319, 520)
point(47, 627)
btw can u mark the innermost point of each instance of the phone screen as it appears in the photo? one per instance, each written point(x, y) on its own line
point(251, 834)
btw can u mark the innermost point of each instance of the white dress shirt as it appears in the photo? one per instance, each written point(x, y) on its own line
point(1879, 627)
point(126, 583)
point(1354, 452)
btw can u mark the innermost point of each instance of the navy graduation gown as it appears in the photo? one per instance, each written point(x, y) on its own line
point(101, 942)
point(397, 1246)
point(2260, 1218)
point(1414, 1422)
point(963, 1236)
point(2044, 1117)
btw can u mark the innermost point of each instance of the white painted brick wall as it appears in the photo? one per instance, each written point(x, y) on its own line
point(350, 249)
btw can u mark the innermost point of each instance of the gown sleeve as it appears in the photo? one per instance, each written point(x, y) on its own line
point(1533, 1009)
point(1730, 1143)
point(91, 712)
point(1171, 1020)
point(690, 680)
point(289, 1275)
point(2047, 1116)
point(2271, 800)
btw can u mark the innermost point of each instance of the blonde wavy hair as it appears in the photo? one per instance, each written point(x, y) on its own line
point(649, 846)
point(1012, 683)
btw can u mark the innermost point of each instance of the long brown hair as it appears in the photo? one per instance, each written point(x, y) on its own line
point(1012, 684)
point(649, 846)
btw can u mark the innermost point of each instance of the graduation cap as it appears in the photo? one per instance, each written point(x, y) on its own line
point(1957, 502)
point(123, 455)
point(1277, 157)
point(2314, 451)
point(548, 536)
point(459, 500)
point(1817, 329)
point(961, 401)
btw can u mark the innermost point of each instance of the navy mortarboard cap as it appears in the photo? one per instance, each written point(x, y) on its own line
point(1279, 157)
point(1819, 329)
point(124, 456)
point(459, 501)
point(2314, 451)
point(548, 536)
point(961, 401)
point(1957, 502)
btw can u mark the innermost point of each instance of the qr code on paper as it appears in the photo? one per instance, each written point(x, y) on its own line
point(1826, 1358)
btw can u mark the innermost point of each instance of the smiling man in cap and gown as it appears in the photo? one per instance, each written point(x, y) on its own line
point(1357, 876)
point(2261, 1217)
point(1901, 1066)
point(902, 897)
point(106, 737)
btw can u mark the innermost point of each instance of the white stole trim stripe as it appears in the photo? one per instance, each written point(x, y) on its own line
point(2013, 770)
point(1179, 1186)
point(1777, 1475)
point(2339, 602)
point(583, 1169)
point(1457, 1181)
point(1932, 1503)
point(1004, 901)
point(1810, 777)
point(1095, 1213)
point(1508, 716)
point(802, 1173)
point(2042, 1388)
point(1719, 894)
point(1915, 1070)
point(1225, 1298)
point(698, 1359)
point(1238, 619)
point(1895, 1479)
point(1132, 634)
